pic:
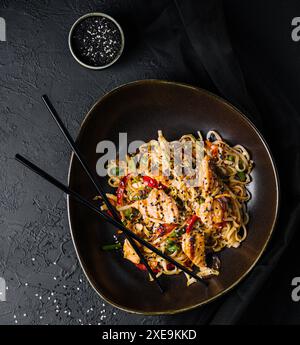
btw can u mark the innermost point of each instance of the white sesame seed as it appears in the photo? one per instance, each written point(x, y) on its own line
point(54, 278)
point(33, 259)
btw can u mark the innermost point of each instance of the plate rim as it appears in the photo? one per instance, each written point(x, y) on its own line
point(274, 168)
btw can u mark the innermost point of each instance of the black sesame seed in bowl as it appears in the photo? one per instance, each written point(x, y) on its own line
point(96, 40)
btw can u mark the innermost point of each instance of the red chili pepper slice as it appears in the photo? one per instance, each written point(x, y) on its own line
point(191, 223)
point(109, 213)
point(170, 266)
point(142, 267)
point(150, 182)
point(121, 190)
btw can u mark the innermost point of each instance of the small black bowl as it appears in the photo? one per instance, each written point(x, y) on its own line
point(96, 40)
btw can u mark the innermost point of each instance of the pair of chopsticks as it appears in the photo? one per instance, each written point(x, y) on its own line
point(97, 186)
point(114, 220)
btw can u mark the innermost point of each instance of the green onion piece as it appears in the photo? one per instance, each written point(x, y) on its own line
point(170, 241)
point(135, 180)
point(231, 158)
point(173, 234)
point(116, 171)
point(128, 213)
point(177, 233)
point(172, 248)
point(114, 246)
point(242, 176)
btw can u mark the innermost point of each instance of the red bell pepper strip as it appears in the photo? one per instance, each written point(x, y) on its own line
point(121, 190)
point(142, 267)
point(191, 223)
point(152, 183)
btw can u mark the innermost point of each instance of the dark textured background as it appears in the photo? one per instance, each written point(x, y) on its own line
point(37, 259)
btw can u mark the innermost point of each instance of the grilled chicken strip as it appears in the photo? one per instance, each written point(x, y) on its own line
point(129, 253)
point(194, 248)
point(208, 179)
point(211, 212)
point(159, 206)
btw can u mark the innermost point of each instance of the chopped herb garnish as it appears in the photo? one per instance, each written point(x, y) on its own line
point(172, 248)
point(177, 233)
point(128, 213)
point(116, 171)
point(242, 176)
point(114, 246)
point(201, 200)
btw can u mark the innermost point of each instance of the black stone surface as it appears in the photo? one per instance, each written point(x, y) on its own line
point(35, 243)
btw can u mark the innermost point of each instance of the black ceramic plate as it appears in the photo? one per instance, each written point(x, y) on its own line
point(140, 109)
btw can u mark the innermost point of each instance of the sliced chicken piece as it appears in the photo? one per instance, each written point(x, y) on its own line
point(129, 253)
point(193, 246)
point(211, 212)
point(208, 179)
point(159, 206)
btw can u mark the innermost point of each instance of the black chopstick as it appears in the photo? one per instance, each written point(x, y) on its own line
point(97, 185)
point(104, 215)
